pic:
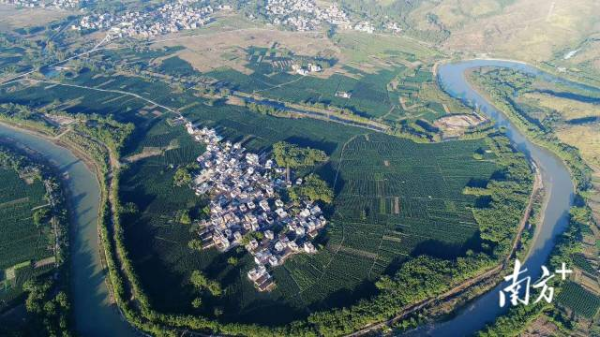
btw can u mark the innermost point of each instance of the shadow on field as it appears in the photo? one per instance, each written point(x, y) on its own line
point(445, 250)
point(327, 147)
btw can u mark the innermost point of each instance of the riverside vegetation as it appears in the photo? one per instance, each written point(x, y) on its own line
point(394, 200)
point(34, 247)
point(524, 99)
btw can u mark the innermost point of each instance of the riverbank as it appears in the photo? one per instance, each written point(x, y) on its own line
point(93, 300)
point(37, 211)
point(73, 148)
point(488, 279)
point(485, 308)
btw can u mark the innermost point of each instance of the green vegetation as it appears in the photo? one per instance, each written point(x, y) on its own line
point(567, 293)
point(503, 197)
point(23, 238)
point(314, 189)
point(51, 310)
point(397, 208)
point(202, 283)
point(544, 110)
point(500, 85)
point(33, 242)
point(291, 156)
point(183, 175)
point(394, 201)
point(581, 301)
point(383, 197)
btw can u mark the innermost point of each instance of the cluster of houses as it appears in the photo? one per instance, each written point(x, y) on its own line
point(305, 15)
point(364, 26)
point(311, 68)
point(62, 4)
point(245, 208)
point(343, 94)
point(171, 17)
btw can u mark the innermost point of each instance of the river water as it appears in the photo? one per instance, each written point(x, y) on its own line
point(556, 180)
point(94, 314)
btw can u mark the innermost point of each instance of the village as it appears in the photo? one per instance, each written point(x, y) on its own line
point(179, 15)
point(305, 15)
point(246, 209)
point(168, 18)
point(61, 4)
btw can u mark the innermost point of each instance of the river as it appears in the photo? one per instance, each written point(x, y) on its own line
point(94, 313)
point(556, 180)
point(96, 316)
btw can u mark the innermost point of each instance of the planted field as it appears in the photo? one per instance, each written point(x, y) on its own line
point(581, 301)
point(369, 91)
point(20, 240)
point(395, 199)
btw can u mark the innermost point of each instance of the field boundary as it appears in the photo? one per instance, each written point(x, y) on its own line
point(466, 285)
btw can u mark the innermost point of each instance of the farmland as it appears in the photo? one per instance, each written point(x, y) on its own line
point(580, 300)
point(407, 204)
point(398, 205)
point(22, 241)
point(395, 200)
point(564, 117)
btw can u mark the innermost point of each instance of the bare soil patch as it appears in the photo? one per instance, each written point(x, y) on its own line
point(12, 17)
point(206, 52)
point(456, 125)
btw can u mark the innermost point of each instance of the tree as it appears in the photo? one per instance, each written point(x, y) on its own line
point(201, 282)
point(198, 279)
point(185, 218)
point(40, 216)
point(291, 156)
point(182, 176)
point(197, 303)
point(233, 261)
point(195, 244)
point(314, 189)
point(214, 288)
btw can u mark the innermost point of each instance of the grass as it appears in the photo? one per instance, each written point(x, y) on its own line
point(569, 109)
point(362, 49)
point(584, 137)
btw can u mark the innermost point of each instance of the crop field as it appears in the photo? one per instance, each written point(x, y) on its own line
point(86, 100)
point(364, 50)
point(395, 199)
point(369, 91)
point(11, 60)
point(18, 18)
point(579, 300)
point(20, 240)
point(176, 67)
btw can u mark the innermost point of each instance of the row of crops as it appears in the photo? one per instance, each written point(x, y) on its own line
point(578, 299)
point(20, 240)
point(369, 91)
point(395, 198)
point(373, 234)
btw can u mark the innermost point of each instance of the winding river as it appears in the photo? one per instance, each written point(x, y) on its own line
point(95, 314)
point(556, 180)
